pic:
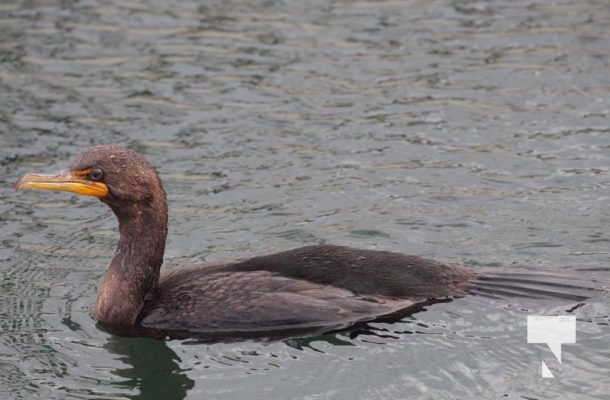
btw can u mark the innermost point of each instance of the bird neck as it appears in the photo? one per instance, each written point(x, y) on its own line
point(134, 270)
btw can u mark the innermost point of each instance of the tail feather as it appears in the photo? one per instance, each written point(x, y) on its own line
point(571, 286)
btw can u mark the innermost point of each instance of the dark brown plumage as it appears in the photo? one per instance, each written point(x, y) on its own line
point(308, 289)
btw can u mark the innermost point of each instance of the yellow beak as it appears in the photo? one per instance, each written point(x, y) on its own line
point(70, 181)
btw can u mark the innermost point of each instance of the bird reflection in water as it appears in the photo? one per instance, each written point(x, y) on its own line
point(152, 368)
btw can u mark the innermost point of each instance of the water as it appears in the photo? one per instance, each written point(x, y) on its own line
point(468, 131)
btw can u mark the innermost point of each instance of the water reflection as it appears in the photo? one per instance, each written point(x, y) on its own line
point(153, 369)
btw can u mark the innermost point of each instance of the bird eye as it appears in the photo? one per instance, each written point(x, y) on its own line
point(96, 174)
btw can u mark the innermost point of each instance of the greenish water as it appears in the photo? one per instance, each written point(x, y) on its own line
point(466, 131)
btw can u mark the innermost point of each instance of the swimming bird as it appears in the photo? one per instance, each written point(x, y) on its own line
point(316, 288)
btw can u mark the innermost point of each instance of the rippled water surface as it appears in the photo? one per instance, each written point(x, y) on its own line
point(471, 132)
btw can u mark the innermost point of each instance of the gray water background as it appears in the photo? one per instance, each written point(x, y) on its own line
point(470, 132)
